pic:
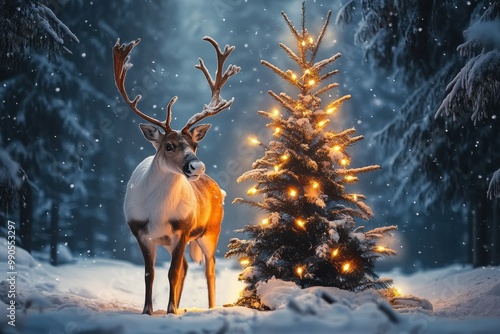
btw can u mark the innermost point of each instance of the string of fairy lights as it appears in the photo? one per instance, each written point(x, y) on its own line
point(346, 266)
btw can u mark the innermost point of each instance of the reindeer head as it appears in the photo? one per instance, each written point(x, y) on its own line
point(176, 149)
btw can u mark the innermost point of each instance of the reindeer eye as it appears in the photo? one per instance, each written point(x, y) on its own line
point(169, 147)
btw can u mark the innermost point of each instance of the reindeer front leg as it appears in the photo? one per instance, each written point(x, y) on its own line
point(176, 274)
point(183, 278)
point(149, 253)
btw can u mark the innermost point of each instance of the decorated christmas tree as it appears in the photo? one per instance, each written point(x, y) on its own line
point(309, 234)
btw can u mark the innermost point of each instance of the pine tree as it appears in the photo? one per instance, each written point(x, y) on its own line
point(309, 235)
point(11, 178)
point(29, 25)
point(416, 43)
point(476, 87)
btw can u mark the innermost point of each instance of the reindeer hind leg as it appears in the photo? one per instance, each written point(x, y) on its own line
point(208, 244)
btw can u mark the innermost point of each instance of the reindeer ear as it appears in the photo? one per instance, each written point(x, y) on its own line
point(151, 133)
point(198, 132)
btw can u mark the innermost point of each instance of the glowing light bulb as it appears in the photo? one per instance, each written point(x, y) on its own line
point(276, 168)
point(307, 72)
point(322, 123)
point(315, 184)
point(292, 192)
point(330, 110)
point(311, 40)
point(381, 248)
point(344, 162)
point(337, 148)
point(265, 221)
point(335, 252)
point(276, 113)
point(254, 140)
point(245, 262)
point(355, 197)
point(300, 222)
point(303, 43)
point(350, 178)
point(312, 82)
point(398, 291)
point(299, 271)
point(294, 76)
point(346, 267)
point(252, 191)
point(284, 157)
point(277, 131)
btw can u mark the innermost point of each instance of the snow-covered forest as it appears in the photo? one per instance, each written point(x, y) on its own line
point(423, 79)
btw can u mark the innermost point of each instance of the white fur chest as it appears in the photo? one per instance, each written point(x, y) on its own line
point(157, 198)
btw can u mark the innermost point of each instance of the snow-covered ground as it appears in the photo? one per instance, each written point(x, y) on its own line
point(106, 296)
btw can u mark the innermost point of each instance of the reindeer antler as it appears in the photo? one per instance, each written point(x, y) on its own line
point(217, 104)
point(121, 65)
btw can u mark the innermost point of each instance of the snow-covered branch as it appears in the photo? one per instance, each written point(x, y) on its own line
point(30, 25)
point(494, 186)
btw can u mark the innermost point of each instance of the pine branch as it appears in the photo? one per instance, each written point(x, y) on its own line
point(352, 171)
point(283, 102)
point(266, 161)
point(265, 114)
point(379, 232)
point(350, 212)
point(252, 174)
point(287, 98)
point(352, 199)
point(240, 200)
point(327, 75)
point(494, 186)
point(326, 88)
point(345, 133)
point(365, 208)
point(355, 139)
point(292, 54)
point(346, 13)
point(303, 19)
point(320, 36)
point(339, 101)
point(293, 30)
point(322, 63)
point(282, 74)
point(385, 251)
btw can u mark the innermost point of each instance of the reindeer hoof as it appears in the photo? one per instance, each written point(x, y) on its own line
point(172, 310)
point(147, 310)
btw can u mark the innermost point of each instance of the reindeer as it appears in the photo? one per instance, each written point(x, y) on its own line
point(169, 200)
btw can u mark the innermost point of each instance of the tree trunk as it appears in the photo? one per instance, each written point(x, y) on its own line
point(480, 241)
point(495, 233)
point(470, 235)
point(119, 234)
point(54, 233)
point(91, 237)
point(26, 215)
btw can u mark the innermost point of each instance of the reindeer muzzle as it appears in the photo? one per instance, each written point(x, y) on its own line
point(193, 169)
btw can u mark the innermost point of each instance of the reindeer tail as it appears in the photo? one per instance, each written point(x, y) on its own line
point(223, 193)
point(195, 252)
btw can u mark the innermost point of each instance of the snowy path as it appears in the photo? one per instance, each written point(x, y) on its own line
point(105, 296)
